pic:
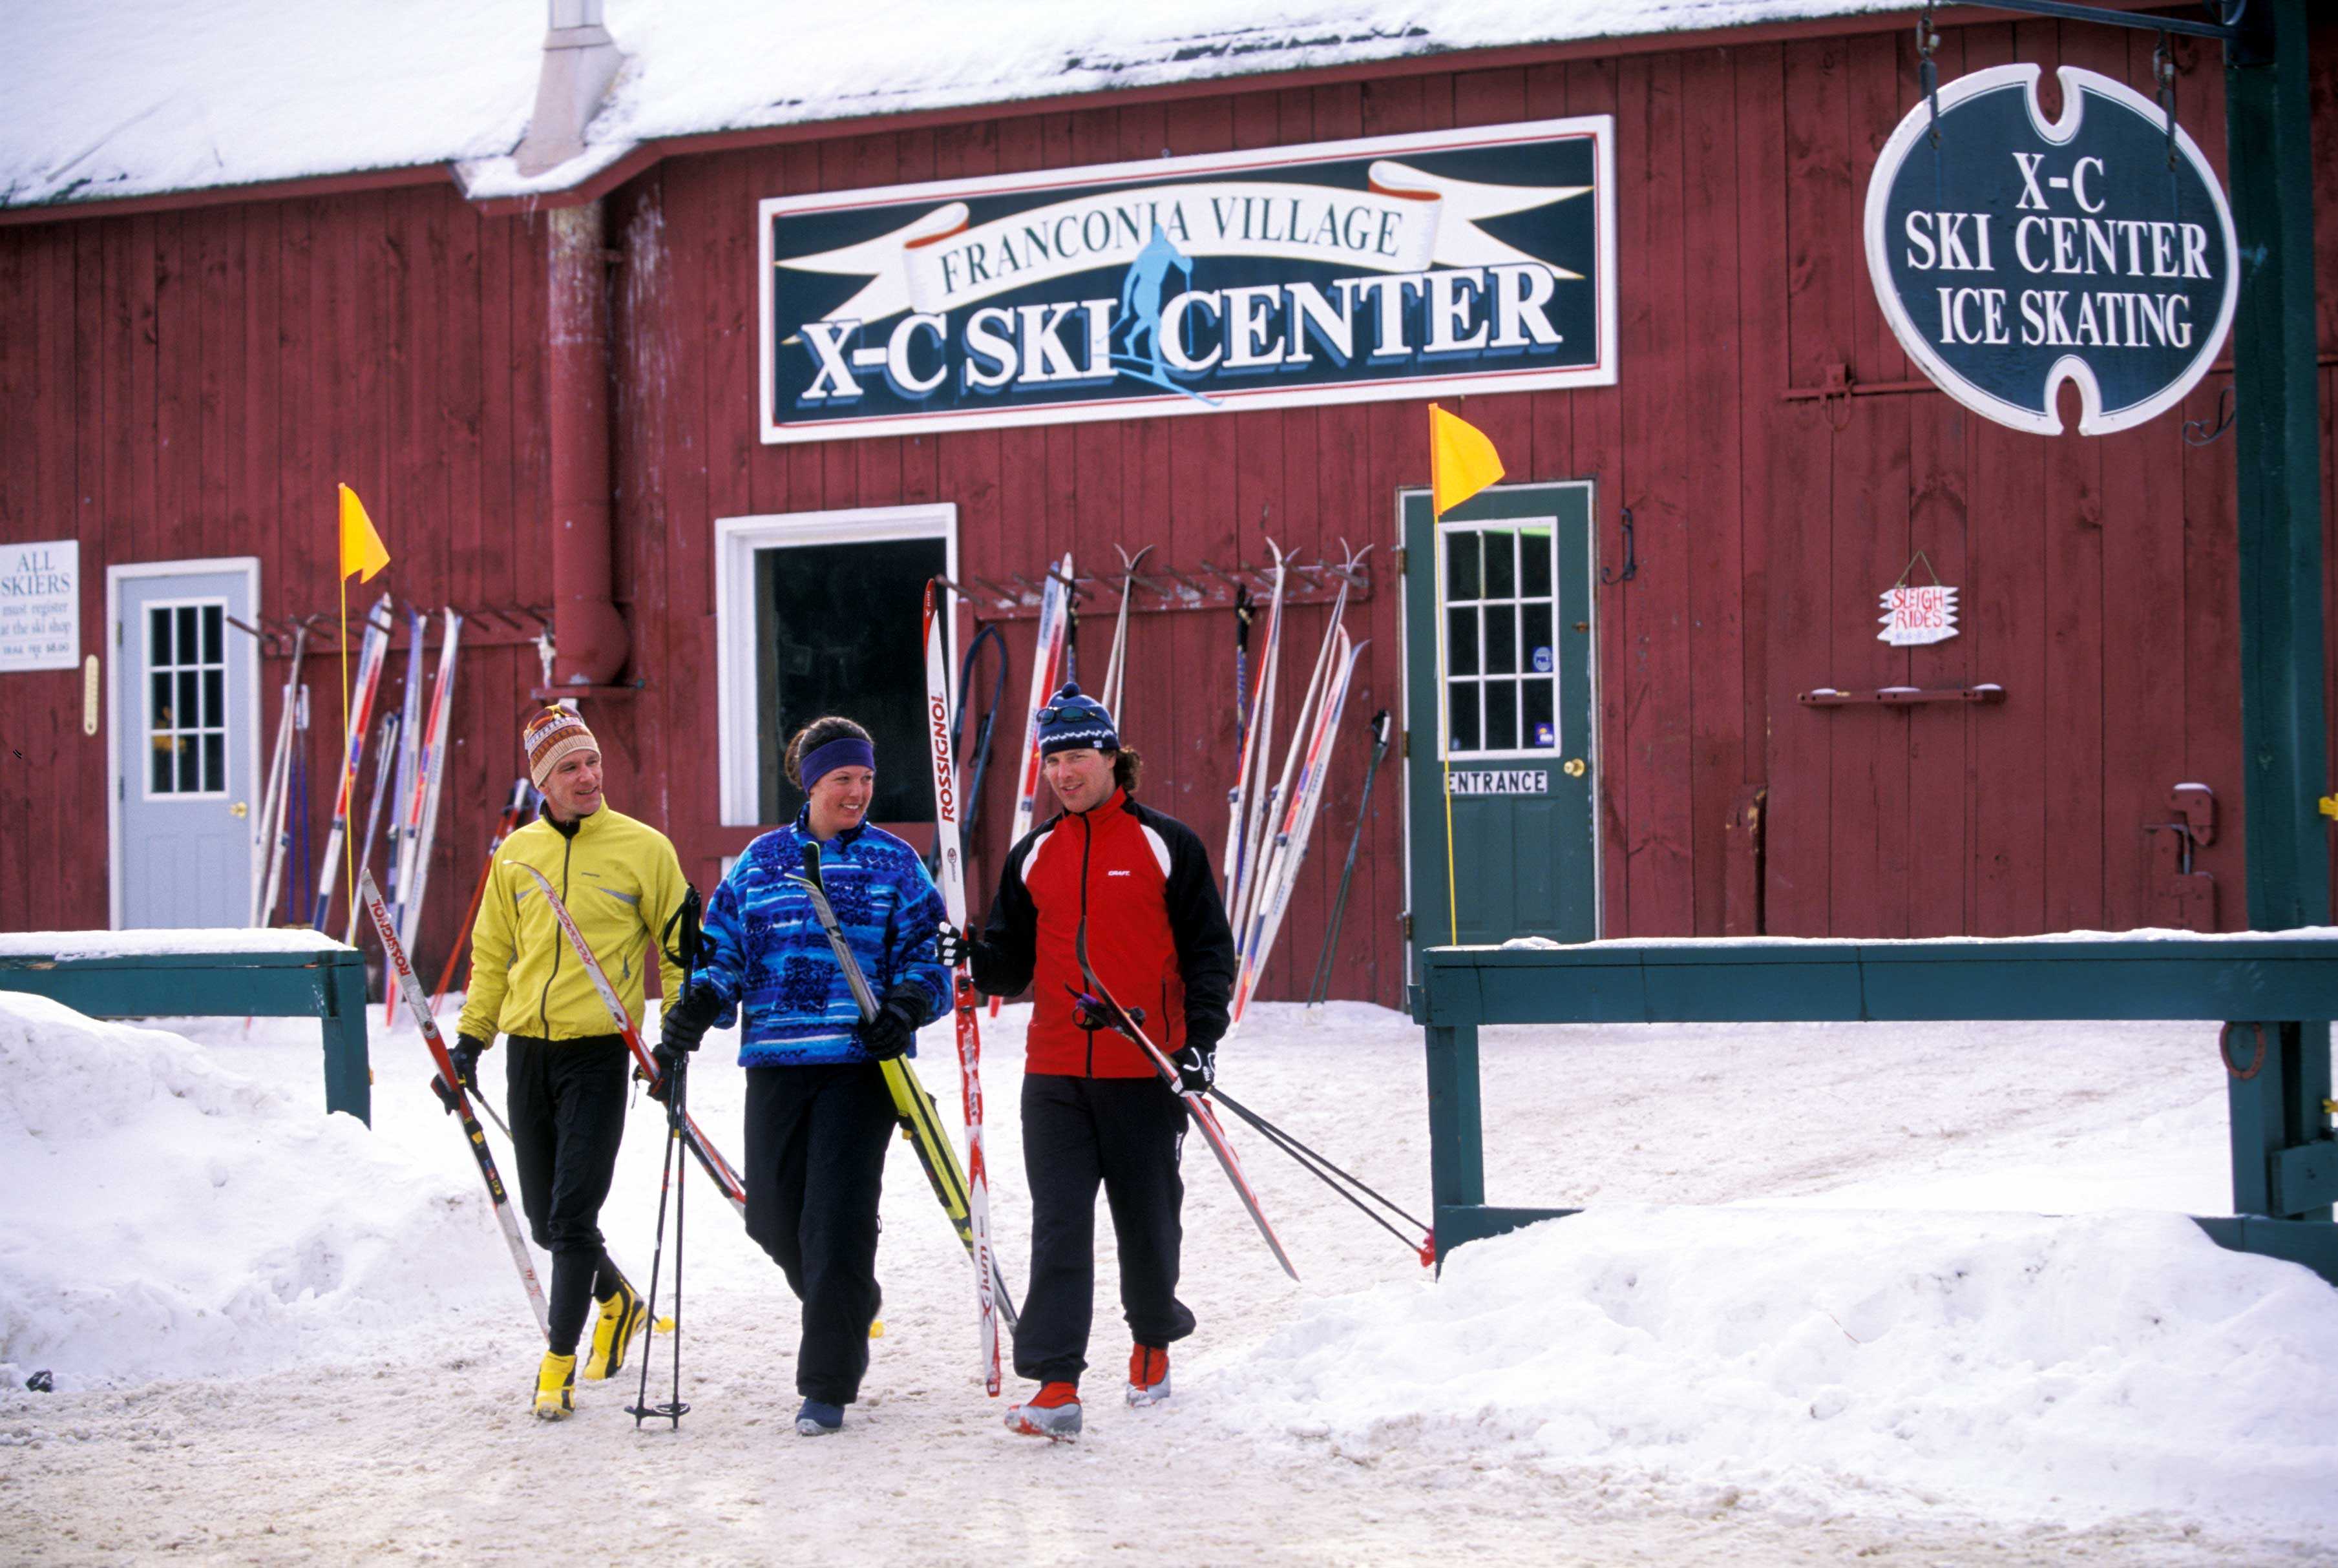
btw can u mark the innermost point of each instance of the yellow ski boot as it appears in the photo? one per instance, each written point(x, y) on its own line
point(555, 1385)
point(614, 1332)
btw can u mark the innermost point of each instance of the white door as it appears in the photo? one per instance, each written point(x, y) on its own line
point(186, 725)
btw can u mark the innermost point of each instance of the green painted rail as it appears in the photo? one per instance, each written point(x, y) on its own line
point(327, 982)
point(2276, 993)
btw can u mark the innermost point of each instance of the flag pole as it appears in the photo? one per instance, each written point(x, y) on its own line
point(348, 845)
point(1444, 686)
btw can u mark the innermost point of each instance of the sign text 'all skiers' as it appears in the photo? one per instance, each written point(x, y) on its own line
point(1392, 266)
point(2013, 253)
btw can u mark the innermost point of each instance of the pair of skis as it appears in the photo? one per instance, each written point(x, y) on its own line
point(949, 853)
point(422, 771)
point(1047, 673)
point(372, 652)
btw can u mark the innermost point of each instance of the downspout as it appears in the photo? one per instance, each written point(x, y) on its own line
point(589, 638)
point(589, 635)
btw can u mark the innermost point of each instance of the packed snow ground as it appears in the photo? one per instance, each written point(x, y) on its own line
point(276, 1338)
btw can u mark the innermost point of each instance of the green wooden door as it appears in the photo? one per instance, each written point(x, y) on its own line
point(1500, 706)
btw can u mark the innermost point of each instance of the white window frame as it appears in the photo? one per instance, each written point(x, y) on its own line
point(1557, 748)
point(116, 644)
point(736, 542)
point(146, 714)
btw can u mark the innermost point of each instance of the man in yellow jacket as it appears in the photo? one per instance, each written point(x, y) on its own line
point(566, 1072)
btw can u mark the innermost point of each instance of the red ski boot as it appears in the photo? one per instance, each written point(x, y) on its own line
point(1148, 1375)
point(1052, 1413)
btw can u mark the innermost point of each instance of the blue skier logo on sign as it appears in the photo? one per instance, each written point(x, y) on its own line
point(2012, 253)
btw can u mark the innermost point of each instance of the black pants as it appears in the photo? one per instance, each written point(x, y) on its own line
point(816, 1141)
point(566, 1101)
point(1127, 1133)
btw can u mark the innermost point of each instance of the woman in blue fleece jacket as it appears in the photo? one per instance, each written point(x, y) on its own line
point(818, 1116)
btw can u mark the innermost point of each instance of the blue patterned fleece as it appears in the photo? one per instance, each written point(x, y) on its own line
point(765, 948)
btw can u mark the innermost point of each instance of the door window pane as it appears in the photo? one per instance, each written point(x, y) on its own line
point(186, 696)
point(1463, 698)
point(1540, 656)
point(1461, 575)
point(1501, 564)
point(1462, 642)
point(1501, 640)
point(1541, 727)
point(1535, 547)
point(1501, 715)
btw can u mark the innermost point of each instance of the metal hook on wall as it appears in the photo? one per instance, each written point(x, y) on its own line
point(1609, 576)
point(2197, 432)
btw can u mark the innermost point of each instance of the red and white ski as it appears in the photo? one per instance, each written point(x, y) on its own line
point(371, 653)
point(401, 973)
point(505, 825)
point(718, 1169)
point(950, 853)
point(1197, 1106)
point(1046, 667)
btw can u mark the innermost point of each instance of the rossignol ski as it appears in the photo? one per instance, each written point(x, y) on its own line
point(274, 812)
point(1289, 846)
point(985, 729)
point(401, 973)
point(952, 880)
point(1046, 662)
point(718, 1169)
point(505, 825)
point(913, 1106)
point(1197, 1106)
point(429, 783)
point(410, 753)
point(1246, 808)
point(370, 654)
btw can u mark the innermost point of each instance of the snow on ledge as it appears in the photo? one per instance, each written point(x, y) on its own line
point(141, 944)
point(2146, 933)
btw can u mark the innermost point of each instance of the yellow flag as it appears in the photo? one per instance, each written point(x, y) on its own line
point(361, 547)
point(1461, 461)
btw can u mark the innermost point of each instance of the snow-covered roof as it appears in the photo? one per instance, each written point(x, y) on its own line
point(147, 97)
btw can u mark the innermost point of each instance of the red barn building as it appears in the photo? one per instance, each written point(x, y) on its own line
point(556, 380)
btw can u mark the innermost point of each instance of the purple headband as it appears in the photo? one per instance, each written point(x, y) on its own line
point(846, 751)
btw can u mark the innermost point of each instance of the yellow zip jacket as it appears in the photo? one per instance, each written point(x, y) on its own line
point(621, 881)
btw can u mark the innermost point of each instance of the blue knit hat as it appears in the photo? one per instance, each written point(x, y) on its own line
point(1072, 720)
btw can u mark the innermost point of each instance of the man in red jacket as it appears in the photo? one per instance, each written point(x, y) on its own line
point(1095, 1110)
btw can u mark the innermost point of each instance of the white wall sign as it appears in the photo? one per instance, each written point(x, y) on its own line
point(40, 605)
point(1500, 781)
point(1917, 614)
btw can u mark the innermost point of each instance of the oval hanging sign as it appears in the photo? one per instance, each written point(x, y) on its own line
point(2012, 254)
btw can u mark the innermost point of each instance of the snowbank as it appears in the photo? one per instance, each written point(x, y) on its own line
point(141, 943)
point(2067, 1370)
point(162, 1216)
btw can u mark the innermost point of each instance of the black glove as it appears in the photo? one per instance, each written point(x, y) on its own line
point(465, 1055)
point(1197, 1068)
point(894, 1030)
point(683, 1026)
point(954, 947)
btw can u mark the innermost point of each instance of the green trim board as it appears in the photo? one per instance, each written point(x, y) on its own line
point(1502, 695)
point(2285, 1160)
point(328, 985)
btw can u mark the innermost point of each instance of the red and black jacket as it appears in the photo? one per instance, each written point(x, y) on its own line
point(1157, 936)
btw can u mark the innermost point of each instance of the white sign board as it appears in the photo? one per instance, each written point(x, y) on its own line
point(1501, 781)
point(40, 605)
point(1916, 614)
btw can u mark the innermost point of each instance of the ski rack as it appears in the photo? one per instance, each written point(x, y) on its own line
point(1205, 585)
point(483, 626)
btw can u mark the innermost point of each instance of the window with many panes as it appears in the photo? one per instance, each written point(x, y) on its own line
point(1501, 649)
point(186, 700)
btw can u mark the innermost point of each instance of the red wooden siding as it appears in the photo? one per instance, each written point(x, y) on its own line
point(191, 383)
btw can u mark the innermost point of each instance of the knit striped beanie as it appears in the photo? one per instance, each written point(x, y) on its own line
point(550, 736)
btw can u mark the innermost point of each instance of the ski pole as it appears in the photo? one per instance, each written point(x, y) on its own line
point(1317, 992)
point(677, 1089)
point(1324, 1171)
